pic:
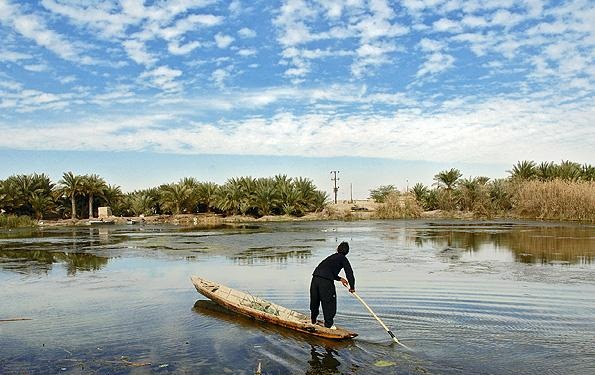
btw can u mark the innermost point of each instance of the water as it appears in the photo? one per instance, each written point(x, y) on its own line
point(465, 297)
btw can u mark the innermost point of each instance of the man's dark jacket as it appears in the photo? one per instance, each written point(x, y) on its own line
point(330, 267)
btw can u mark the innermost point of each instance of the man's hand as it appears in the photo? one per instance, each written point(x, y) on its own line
point(345, 282)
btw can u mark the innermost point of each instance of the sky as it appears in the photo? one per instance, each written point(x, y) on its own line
point(386, 92)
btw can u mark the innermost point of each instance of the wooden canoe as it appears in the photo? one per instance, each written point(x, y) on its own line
point(257, 308)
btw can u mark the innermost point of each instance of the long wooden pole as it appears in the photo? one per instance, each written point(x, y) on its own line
point(378, 319)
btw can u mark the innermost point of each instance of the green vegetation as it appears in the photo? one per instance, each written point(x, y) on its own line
point(78, 196)
point(13, 221)
point(564, 191)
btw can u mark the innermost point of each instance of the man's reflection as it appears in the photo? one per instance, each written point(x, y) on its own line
point(323, 363)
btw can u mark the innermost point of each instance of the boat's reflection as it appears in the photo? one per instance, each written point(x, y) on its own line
point(211, 309)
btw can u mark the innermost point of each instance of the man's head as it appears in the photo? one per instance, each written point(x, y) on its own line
point(343, 248)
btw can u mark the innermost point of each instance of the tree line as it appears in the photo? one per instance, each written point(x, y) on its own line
point(78, 196)
point(550, 190)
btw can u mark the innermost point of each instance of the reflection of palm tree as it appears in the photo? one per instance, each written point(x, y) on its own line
point(323, 363)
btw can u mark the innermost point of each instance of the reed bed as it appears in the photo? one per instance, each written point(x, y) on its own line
point(555, 200)
point(399, 206)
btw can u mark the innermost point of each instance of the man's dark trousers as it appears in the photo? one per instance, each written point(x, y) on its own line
point(323, 290)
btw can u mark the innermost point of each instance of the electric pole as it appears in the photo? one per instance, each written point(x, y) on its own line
point(335, 179)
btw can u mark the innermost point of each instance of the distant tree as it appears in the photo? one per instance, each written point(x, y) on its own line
point(173, 196)
point(266, 196)
point(207, 192)
point(587, 172)
point(380, 193)
point(71, 185)
point(92, 186)
point(568, 170)
point(447, 179)
point(545, 171)
point(523, 170)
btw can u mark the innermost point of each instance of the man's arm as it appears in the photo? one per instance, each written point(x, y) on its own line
point(349, 274)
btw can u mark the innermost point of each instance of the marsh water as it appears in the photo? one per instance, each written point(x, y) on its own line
point(465, 297)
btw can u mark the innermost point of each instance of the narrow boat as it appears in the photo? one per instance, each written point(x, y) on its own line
point(257, 308)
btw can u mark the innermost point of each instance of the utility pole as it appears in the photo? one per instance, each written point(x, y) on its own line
point(335, 179)
point(351, 192)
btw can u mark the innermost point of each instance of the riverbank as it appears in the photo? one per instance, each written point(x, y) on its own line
point(343, 211)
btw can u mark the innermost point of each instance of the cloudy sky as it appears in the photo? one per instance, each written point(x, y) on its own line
point(147, 92)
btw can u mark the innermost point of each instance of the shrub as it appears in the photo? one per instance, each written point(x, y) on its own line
point(13, 221)
point(398, 206)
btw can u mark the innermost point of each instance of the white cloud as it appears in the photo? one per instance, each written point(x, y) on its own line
point(36, 67)
point(34, 28)
point(245, 52)
point(430, 45)
point(176, 49)
point(245, 32)
point(223, 41)
point(136, 50)
point(436, 63)
point(500, 126)
point(13, 56)
point(163, 78)
point(219, 76)
point(447, 25)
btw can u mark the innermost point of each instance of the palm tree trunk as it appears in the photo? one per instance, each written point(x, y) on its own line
point(90, 206)
point(72, 207)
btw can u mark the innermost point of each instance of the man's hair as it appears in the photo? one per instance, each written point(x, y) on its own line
point(343, 248)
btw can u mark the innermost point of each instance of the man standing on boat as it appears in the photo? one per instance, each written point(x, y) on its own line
point(322, 287)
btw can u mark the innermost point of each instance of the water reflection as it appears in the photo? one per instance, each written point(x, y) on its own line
point(273, 254)
point(323, 361)
point(535, 244)
point(42, 261)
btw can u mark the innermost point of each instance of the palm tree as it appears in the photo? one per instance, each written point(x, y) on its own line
point(207, 192)
point(174, 196)
point(545, 171)
point(588, 172)
point(420, 191)
point(448, 179)
point(113, 195)
point(140, 202)
point(71, 185)
point(193, 187)
point(229, 196)
point(523, 170)
point(568, 170)
point(306, 189)
point(41, 203)
point(319, 200)
point(265, 196)
point(92, 185)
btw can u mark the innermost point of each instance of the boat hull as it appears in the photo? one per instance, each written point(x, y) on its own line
point(257, 308)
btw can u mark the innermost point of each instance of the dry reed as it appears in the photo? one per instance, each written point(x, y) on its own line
point(397, 206)
point(555, 200)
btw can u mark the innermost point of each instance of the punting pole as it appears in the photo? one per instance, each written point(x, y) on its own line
point(392, 335)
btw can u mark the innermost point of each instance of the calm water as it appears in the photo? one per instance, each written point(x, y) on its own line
point(467, 298)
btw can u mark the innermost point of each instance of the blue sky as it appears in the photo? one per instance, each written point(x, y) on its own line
point(388, 92)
